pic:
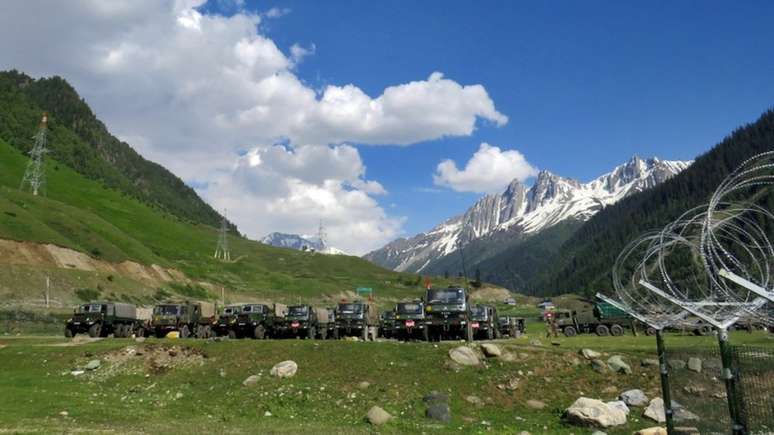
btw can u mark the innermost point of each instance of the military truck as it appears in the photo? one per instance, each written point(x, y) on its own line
point(187, 318)
point(257, 321)
point(101, 318)
point(227, 319)
point(603, 320)
point(300, 321)
point(386, 324)
point(511, 326)
point(484, 322)
point(323, 322)
point(410, 321)
point(447, 313)
point(358, 318)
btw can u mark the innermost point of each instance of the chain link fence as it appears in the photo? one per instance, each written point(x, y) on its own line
point(753, 368)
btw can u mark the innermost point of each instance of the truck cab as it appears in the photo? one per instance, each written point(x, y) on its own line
point(356, 319)
point(484, 322)
point(410, 320)
point(448, 313)
point(300, 321)
point(511, 326)
point(187, 318)
point(254, 320)
point(386, 324)
point(100, 319)
point(227, 319)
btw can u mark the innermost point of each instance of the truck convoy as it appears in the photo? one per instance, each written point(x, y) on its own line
point(100, 319)
point(448, 313)
point(409, 321)
point(358, 318)
point(187, 318)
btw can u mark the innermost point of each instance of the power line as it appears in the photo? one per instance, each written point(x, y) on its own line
point(35, 174)
point(221, 250)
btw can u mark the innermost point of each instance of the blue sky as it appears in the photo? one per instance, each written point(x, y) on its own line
point(586, 85)
point(286, 113)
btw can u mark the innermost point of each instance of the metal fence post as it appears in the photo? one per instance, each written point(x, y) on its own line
point(728, 377)
point(664, 370)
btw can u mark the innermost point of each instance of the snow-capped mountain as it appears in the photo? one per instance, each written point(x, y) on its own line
point(300, 243)
point(520, 211)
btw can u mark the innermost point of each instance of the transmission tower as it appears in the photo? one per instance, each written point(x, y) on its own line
point(322, 235)
point(221, 251)
point(35, 175)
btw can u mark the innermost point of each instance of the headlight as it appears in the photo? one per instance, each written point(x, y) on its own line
point(232, 321)
point(69, 320)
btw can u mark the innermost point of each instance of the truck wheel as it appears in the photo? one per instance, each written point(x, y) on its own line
point(705, 330)
point(602, 330)
point(118, 331)
point(95, 330)
point(259, 333)
point(570, 332)
point(160, 333)
point(69, 333)
point(650, 331)
point(426, 334)
point(184, 332)
point(232, 334)
point(336, 334)
point(617, 330)
point(140, 332)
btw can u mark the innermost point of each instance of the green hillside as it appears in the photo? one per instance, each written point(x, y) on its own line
point(583, 262)
point(83, 215)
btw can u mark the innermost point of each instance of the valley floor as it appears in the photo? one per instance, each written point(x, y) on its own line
point(196, 386)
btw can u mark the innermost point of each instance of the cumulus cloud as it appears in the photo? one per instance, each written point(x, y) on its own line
point(489, 170)
point(195, 91)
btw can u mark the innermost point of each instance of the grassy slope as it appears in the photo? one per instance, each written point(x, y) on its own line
point(82, 215)
point(324, 395)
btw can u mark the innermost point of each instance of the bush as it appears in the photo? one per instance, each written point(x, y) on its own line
point(87, 294)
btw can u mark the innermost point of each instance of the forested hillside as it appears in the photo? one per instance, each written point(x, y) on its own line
point(81, 141)
point(582, 264)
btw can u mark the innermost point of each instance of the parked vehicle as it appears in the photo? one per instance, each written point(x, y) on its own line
point(358, 318)
point(511, 326)
point(484, 322)
point(187, 318)
point(410, 321)
point(387, 324)
point(603, 320)
point(227, 319)
point(448, 313)
point(255, 321)
point(100, 319)
point(300, 321)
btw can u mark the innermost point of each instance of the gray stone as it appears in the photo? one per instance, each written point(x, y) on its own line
point(491, 349)
point(473, 400)
point(284, 369)
point(535, 404)
point(686, 430)
point(377, 416)
point(439, 411)
point(694, 364)
point(598, 432)
point(598, 366)
point(364, 385)
point(593, 412)
point(139, 339)
point(634, 398)
point(250, 381)
point(619, 404)
point(655, 410)
point(681, 414)
point(464, 355)
point(92, 365)
point(590, 354)
point(655, 430)
point(676, 364)
point(435, 396)
point(649, 362)
point(618, 365)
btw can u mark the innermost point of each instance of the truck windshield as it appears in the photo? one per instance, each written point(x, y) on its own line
point(166, 310)
point(451, 296)
point(252, 309)
point(230, 310)
point(410, 308)
point(298, 311)
point(350, 308)
point(91, 308)
point(478, 312)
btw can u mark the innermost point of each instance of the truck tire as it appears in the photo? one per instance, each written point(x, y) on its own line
point(617, 330)
point(160, 333)
point(118, 331)
point(570, 332)
point(95, 330)
point(704, 330)
point(336, 334)
point(232, 334)
point(602, 330)
point(69, 333)
point(185, 332)
point(259, 333)
point(650, 331)
point(426, 334)
point(140, 332)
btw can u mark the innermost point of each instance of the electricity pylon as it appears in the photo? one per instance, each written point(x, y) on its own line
point(35, 175)
point(221, 251)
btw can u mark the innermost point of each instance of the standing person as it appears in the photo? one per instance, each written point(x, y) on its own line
point(551, 325)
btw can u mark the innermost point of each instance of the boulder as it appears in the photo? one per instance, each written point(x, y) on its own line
point(634, 398)
point(92, 365)
point(598, 365)
point(250, 381)
point(618, 365)
point(593, 412)
point(655, 430)
point(285, 369)
point(619, 404)
point(676, 364)
point(681, 414)
point(464, 355)
point(649, 362)
point(491, 350)
point(535, 404)
point(364, 385)
point(378, 416)
point(439, 411)
point(655, 410)
point(590, 354)
point(694, 364)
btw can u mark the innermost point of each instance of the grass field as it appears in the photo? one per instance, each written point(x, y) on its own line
point(202, 389)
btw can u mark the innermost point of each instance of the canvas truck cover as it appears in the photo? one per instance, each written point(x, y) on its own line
point(125, 311)
point(607, 311)
point(144, 313)
point(208, 309)
point(322, 315)
point(280, 310)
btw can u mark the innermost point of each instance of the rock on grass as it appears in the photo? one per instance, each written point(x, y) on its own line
point(378, 416)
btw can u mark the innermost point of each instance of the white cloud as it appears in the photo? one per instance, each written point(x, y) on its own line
point(196, 90)
point(276, 12)
point(489, 170)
